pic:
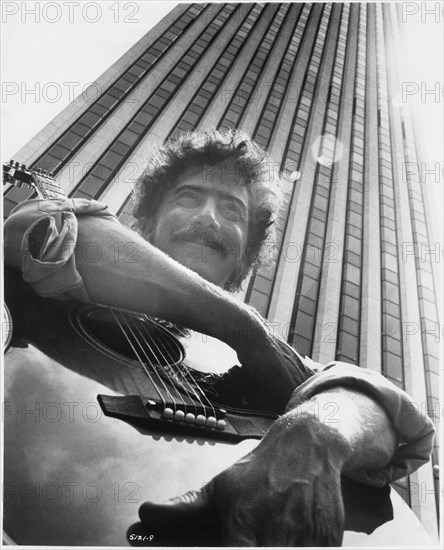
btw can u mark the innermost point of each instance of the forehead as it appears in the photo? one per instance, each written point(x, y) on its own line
point(222, 178)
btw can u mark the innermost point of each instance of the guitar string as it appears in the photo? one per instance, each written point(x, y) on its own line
point(180, 372)
point(126, 319)
point(188, 372)
point(194, 385)
point(186, 375)
point(137, 354)
point(41, 188)
point(139, 358)
point(169, 360)
point(166, 373)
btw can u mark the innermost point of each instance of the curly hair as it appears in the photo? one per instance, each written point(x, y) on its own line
point(253, 168)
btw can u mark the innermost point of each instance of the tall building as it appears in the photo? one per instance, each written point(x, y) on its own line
point(314, 84)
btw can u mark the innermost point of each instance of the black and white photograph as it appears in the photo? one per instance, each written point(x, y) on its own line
point(222, 274)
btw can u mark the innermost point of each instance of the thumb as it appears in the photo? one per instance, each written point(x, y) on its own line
point(193, 506)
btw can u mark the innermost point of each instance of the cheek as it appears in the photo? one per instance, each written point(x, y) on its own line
point(238, 238)
point(171, 220)
point(242, 234)
point(179, 213)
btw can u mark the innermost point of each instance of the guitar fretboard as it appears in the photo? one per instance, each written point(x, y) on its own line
point(46, 186)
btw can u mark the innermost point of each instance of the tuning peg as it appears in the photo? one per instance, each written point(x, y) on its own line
point(51, 174)
point(45, 173)
point(23, 166)
point(17, 165)
point(11, 163)
point(39, 170)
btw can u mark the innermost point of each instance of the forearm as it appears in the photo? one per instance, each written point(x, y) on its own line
point(368, 438)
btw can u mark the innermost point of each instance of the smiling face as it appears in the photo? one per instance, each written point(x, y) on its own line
point(203, 222)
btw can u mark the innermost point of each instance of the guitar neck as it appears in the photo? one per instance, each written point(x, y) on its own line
point(44, 184)
point(48, 188)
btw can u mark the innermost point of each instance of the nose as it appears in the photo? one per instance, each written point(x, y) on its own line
point(208, 216)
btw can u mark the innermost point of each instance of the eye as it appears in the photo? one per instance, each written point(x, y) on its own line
point(235, 212)
point(188, 198)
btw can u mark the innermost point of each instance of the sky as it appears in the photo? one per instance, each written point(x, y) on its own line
point(49, 56)
point(421, 70)
point(422, 79)
point(52, 50)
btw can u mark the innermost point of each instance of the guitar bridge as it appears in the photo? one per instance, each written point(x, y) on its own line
point(200, 421)
point(200, 415)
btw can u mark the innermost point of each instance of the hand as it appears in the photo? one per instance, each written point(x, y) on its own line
point(284, 493)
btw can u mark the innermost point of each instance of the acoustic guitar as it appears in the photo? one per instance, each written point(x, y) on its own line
point(105, 409)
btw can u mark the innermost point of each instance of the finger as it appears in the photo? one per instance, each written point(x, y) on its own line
point(191, 507)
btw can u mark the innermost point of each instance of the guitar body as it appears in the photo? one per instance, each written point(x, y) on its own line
point(76, 475)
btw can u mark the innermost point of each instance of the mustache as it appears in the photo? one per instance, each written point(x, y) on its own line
point(201, 235)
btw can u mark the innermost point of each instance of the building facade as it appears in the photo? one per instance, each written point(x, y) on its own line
point(314, 84)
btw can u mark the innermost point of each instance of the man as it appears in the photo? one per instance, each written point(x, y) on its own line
point(204, 207)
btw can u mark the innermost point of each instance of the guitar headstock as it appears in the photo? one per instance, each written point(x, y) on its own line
point(38, 180)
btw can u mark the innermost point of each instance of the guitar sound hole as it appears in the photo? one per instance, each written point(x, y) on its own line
point(135, 338)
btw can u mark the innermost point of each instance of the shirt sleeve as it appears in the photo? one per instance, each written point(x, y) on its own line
point(414, 427)
point(44, 234)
